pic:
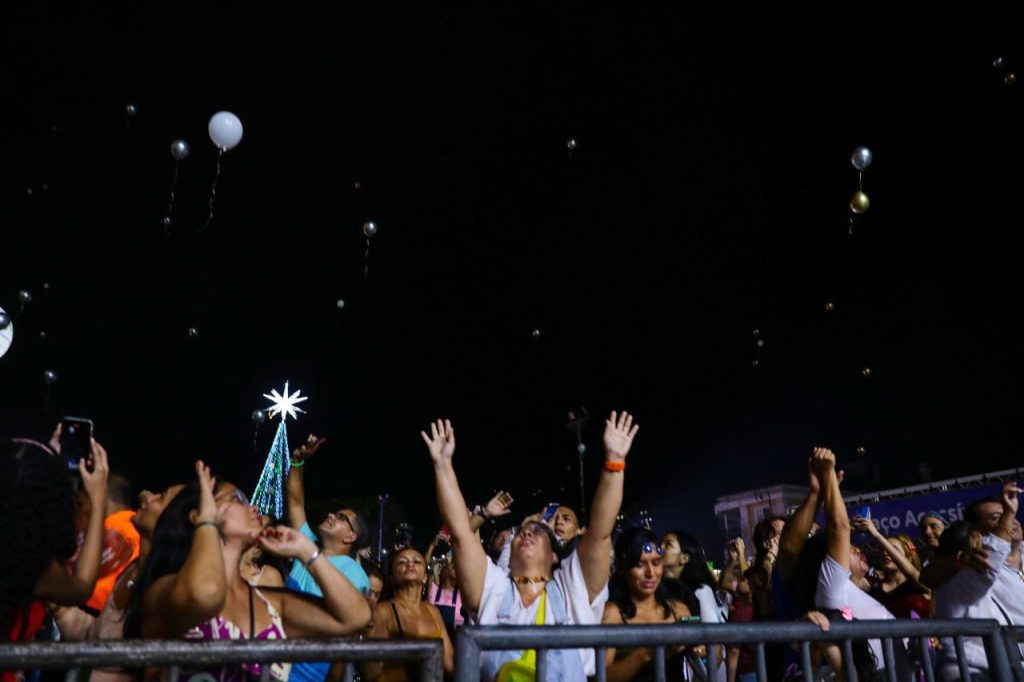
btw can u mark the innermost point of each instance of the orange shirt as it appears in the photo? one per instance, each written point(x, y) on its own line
point(120, 548)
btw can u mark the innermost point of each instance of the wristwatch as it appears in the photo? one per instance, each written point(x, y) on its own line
point(480, 511)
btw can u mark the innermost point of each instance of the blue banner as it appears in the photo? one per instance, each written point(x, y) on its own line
point(904, 515)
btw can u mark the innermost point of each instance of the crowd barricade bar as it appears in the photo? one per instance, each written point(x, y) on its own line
point(171, 653)
point(472, 641)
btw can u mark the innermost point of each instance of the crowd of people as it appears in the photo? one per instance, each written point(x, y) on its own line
point(197, 561)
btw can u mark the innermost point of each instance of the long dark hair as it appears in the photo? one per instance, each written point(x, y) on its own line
point(37, 506)
point(696, 572)
point(629, 547)
point(169, 548)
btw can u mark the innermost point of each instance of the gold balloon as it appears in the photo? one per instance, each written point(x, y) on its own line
point(866, 372)
point(861, 450)
point(1010, 78)
point(830, 306)
point(755, 362)
point(859, 202)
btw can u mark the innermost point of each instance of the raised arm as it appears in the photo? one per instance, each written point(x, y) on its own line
point(596, 544)
point(295, 489)
point(1010, 502)
point(344, 609)
point(823, 463)
point(196, 593)
point(798, 526)
point(55, 584)
point(862, 525)
point(468, 554)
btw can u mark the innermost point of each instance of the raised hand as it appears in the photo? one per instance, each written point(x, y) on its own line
point(822, 461)
point(441, 441)
point(307, 449)
point(619, 431)
point(499, 505)
point(864, 525)
point(207, 503)
point(1009, 498)
point(95, 481)
point(286, 542)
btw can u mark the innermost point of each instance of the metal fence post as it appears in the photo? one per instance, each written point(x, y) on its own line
point(467, 657)
point(995, 652)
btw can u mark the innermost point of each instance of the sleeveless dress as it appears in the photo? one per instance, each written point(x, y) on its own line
point(673, 664)
point(219, 627)
point(402, 672)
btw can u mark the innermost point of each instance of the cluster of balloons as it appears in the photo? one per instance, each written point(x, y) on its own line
point(861, 159)
point(1009, 77)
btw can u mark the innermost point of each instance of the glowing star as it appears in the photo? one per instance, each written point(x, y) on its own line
point(284, 405)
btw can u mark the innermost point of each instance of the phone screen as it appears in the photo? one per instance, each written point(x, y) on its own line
point(75, 441)
point(549, 511)
point(864, 512)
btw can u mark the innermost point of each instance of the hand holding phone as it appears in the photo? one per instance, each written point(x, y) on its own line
point(75, 441)
point(549, 512)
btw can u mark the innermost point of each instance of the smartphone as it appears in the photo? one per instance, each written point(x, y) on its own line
point(75, 441)
point(549, 511)
point(863, 512)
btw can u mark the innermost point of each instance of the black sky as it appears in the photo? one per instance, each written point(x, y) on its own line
point(706, 198)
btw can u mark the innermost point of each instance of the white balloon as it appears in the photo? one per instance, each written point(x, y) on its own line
point(6, 336)
point(225, 130)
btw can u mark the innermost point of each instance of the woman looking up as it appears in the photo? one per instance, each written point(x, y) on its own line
point(191, 585)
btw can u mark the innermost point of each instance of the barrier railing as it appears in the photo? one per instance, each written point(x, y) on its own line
point(471, 642)
point(1000, 645)
point(427, 654)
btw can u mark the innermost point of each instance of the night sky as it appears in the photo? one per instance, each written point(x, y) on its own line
point(706, 197)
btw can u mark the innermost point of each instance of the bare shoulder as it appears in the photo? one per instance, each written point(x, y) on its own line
point(679, 608)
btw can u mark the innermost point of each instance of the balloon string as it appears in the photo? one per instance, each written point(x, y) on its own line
point(366, 259)
point(213, 190)
point(170, 200)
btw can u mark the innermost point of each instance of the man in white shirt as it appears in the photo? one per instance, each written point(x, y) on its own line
point(1008, 591)
point(572, 591)
point(972, 593)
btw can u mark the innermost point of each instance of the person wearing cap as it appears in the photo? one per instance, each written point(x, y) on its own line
point(932, 526)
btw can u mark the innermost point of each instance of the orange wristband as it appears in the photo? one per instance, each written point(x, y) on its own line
point(614, 465)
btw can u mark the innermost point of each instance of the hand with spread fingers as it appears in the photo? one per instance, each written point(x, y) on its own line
point(441, 441)
point(499, 505)
point(619, 431)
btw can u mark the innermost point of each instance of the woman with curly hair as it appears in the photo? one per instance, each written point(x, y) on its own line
point(407, 615)
point(38, 508)
point(638, 595)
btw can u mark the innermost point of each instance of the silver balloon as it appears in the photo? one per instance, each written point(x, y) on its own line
point(760, 343)
point(369, 228)
point(259, 416)
point(861, 158)
point(130, 109)
point(166, 220)
point(581, 448)
point(25, 296)
point(5, 320)
point(570, 144)
point(536, 333)
point(998, 62)
point(50, 377)
point(193, 333)
point(341, 303)
point(179, 149)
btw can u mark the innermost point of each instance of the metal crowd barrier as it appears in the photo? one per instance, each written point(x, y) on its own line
point(471, 642)
point(428, 654)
